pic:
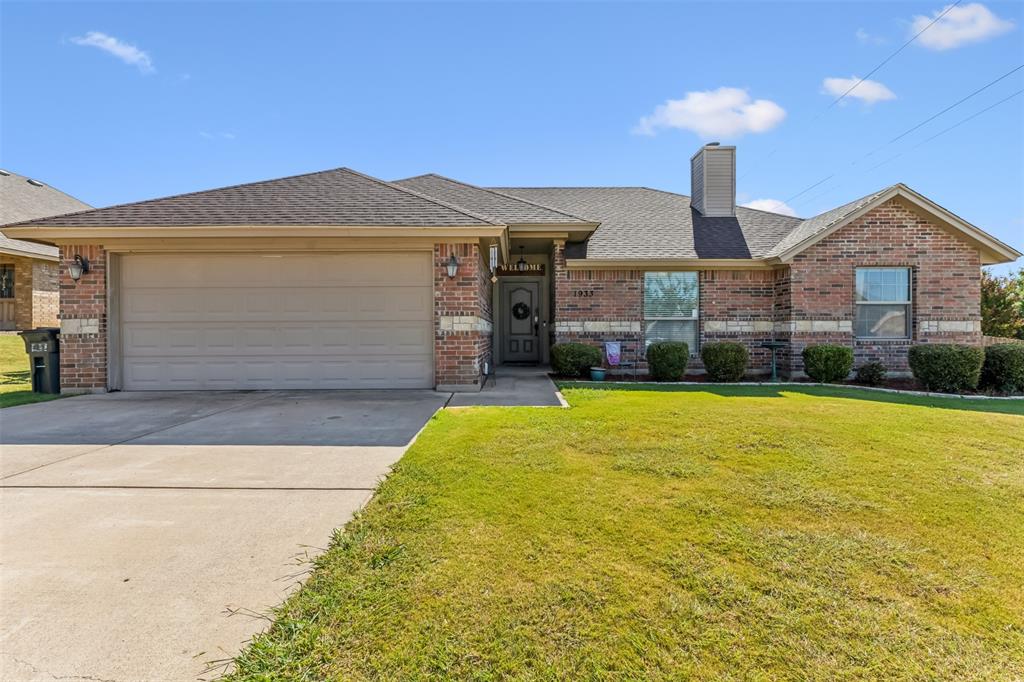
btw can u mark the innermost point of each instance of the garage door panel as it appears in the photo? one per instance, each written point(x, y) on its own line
point(300, 321)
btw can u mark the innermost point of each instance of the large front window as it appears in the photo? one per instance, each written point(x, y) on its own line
point(883, 303)
point(671, 301)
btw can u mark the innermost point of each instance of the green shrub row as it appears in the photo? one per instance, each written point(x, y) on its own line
point(667, 360)
point(827, 363)
point(1003, 369)
point(574, 359)
point(725, 360)
point(947, 367)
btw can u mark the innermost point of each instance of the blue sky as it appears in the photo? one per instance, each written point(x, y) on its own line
point(120, 102)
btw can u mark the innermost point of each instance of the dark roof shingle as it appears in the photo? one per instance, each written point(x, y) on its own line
point(21, 200)
point(334, 197)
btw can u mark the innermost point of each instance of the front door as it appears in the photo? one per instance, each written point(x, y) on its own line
point(521, 301)
point(7, 297)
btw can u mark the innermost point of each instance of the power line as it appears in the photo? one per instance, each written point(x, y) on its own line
point(809, 188)
point(886, 60)
point(874, 70)
point(943, 132)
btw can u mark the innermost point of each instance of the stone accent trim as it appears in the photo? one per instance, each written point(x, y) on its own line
point(464, 323)
point(69, 327)
point(815, 326)
point(738, 326)
point(959, 326)
point(596, 326)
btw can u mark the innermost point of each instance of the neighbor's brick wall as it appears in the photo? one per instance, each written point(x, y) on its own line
point(946, 284)
point(462, 321)
point(83, 320)
point(36, 295)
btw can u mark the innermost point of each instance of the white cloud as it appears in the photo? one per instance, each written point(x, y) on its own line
point(772, 206)
point(867, 91)
point(129, 54)
point(725, 112)
point(865, 38)
point(961, 25)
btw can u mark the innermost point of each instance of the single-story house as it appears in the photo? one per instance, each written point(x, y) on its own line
point(29, 293)
point(340, 280)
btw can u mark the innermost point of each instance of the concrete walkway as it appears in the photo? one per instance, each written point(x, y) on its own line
point(527, 386)
point(144, 535)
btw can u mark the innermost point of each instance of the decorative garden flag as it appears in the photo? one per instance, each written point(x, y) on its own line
point(613, 350)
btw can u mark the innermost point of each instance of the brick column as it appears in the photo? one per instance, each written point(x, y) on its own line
point(83, 320)
point(462, 318)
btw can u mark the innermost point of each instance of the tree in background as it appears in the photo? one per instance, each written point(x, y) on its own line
point(1002, 304)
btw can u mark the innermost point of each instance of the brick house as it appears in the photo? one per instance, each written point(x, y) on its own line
point(339, 280)
point(29, 295)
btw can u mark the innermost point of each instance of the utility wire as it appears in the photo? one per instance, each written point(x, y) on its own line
point(874, 70)
point(946, 130)
point(885, 61)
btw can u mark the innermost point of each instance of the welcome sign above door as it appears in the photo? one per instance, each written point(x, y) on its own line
point(515, 269)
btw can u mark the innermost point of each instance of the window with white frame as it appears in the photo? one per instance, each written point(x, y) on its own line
point(671, 301)
point(882, 303)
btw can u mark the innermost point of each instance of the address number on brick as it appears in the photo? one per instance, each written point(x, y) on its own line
point(583, 293)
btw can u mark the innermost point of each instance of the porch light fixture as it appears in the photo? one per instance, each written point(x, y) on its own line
point(453, 266)
point(77, 267)
point(521, 264)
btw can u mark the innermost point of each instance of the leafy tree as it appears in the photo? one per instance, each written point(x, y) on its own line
point(1002, 304)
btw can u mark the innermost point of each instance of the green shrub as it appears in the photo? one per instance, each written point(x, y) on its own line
point(668, 360)
point(947, 367)
point(826, 363)
point(1004, 368)
point(870, 374)
point(724, 361)
point(574, 359)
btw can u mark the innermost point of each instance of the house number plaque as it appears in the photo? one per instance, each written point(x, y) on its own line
point(583, 293)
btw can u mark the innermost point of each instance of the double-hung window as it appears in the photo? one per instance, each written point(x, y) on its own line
point(882, 303)
point(671, 301)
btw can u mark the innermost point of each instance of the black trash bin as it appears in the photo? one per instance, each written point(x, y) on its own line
point(43, 359)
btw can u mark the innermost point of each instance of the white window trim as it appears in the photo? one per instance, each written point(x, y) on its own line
point(909, 303)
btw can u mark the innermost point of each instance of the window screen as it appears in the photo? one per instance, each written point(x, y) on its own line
point(883, 303)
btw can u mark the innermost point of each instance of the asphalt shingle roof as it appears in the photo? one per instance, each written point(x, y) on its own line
point(508, 209)
point(21, 200)
point(643, 223)
point(334, 197)
point(821, 222)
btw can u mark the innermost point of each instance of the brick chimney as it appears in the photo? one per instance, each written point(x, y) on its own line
point(713, 181)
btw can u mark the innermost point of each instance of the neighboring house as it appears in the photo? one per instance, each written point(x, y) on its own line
point(339, 280)
point(29, 294)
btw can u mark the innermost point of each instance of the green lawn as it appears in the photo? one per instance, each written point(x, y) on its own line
point(15, 383)
point(743, 533)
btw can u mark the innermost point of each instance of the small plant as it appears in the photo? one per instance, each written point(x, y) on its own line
point(725, 360)
point(574, 359)
point(827, 363)
point(1003, 369)
point(668, 360)
point(870, 374)
point(947, 367)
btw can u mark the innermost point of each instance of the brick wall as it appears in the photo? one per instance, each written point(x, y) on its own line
point(83, 320)
point(595, 306)
point(810, 301)
point(739, 306)
point(462, 332)
point(946, 285)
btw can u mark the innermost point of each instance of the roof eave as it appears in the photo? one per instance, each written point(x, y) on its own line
point(670, 263)
point(69, 234)
point(28, 254)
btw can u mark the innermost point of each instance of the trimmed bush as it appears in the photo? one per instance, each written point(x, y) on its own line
point(1004, 368)
point(668, 360)
point(870, 374)
point(826, 363)
point(725, 360)
point(574, 359)
point(947, 367)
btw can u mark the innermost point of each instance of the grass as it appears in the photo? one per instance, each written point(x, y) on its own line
point(743, 533)
point(15, 382)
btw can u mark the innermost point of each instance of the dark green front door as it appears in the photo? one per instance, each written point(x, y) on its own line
point(520, 321)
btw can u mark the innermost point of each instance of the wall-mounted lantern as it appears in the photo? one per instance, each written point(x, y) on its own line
point(77, 267)
point(453, 266)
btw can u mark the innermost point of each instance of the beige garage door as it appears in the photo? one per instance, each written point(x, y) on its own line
point(250, 321)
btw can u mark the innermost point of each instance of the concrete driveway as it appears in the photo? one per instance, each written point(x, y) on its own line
point(144, 535)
